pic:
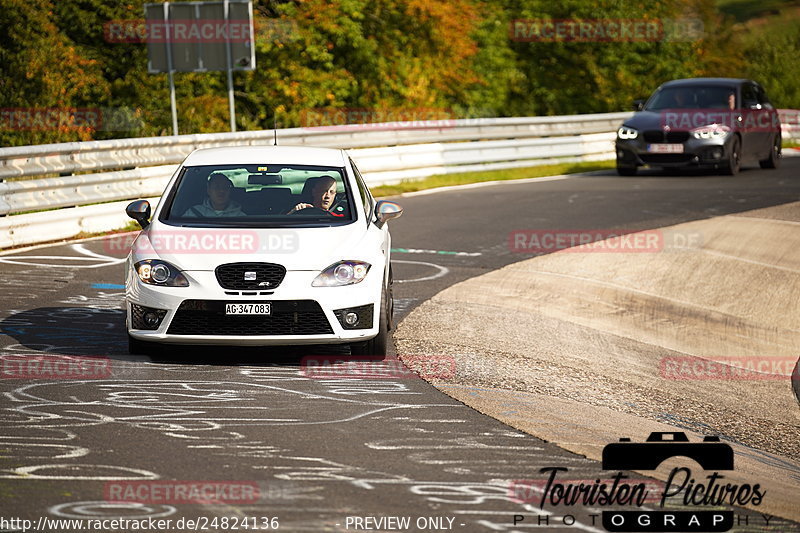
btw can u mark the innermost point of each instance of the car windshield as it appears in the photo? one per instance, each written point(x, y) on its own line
point(693, 97)
point(266, 195)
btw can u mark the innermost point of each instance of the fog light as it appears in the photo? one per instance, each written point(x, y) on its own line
point(620, 154)
point(151, 319)
point(355, 317)
point(717, 153)
point(146, 317)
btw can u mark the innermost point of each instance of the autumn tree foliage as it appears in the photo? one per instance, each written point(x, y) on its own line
point(458, 57)
point(40, 67)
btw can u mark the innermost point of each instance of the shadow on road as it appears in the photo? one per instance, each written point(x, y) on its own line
point(96, 332)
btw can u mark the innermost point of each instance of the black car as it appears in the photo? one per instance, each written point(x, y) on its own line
point(718, 123)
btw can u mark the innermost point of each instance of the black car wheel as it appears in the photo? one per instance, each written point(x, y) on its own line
point(774, 159)
point(139, 347)
point(731, 166)
point(379, 345)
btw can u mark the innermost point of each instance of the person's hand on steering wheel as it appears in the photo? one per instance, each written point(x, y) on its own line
point(299, 207)
point(308, 209)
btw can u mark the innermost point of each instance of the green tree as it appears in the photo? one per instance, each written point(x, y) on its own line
point(772, 54)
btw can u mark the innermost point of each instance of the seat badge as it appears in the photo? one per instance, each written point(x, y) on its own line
point(249, 276)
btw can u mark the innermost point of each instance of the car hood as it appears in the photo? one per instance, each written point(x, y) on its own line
point(680, 119)
point(646, 120)
point(194, 249)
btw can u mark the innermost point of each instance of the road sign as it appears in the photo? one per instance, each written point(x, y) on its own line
point(197, 34)
point(200, 37)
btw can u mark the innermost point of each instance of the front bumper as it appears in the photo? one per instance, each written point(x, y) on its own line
point(301, 314)
point(696, 153)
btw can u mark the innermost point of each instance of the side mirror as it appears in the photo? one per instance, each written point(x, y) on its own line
point(140, 212)
point(638, 105)
point(386, 211)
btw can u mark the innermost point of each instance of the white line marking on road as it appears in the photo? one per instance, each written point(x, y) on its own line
point(84, 251)
point(437, 252)
point(443, 271)
point(59, 260)
point(28, 472)
point(104, 509)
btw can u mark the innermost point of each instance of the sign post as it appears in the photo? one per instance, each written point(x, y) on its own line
point(200, 37)
point(172, 100)
point(229, 61)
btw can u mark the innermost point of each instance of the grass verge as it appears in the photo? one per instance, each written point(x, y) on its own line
point(794, 143)
point(464, 178)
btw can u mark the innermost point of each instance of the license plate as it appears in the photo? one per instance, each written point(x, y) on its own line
point(663, 148)
point(248, 309)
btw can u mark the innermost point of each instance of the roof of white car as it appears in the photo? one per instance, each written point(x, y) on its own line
point(249, 155)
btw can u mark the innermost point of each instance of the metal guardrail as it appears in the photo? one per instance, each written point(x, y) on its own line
point(37, 178)
point(385, 153)
point(151, 151)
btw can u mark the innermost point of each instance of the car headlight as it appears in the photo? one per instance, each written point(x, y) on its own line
point(626, 132)
point(342, 273)
point(714, 131)
point(156, 272)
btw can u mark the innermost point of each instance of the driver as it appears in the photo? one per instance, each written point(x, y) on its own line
point(323, 193)
point(681, 97)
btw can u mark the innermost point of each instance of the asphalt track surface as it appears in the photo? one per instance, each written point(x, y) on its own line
point(323, 453)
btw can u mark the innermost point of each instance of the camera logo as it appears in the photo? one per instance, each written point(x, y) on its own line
point(689, 500)
point(711, 454)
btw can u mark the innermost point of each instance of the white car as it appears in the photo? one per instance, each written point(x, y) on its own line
point(262, 245)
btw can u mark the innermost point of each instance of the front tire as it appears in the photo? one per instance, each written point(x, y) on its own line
point(774, 159)
point(379, 345)
point(733, 164)
point(139, 347)
point(626, 171)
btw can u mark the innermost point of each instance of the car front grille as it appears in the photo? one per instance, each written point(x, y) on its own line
point(250, 276)
point(207, 317)
point(658, 136)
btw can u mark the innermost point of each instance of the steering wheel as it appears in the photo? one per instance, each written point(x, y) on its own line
point(340, 204)
point(312, 211)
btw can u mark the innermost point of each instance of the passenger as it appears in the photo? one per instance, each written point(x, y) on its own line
point(218, 201)
point(322, 195)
